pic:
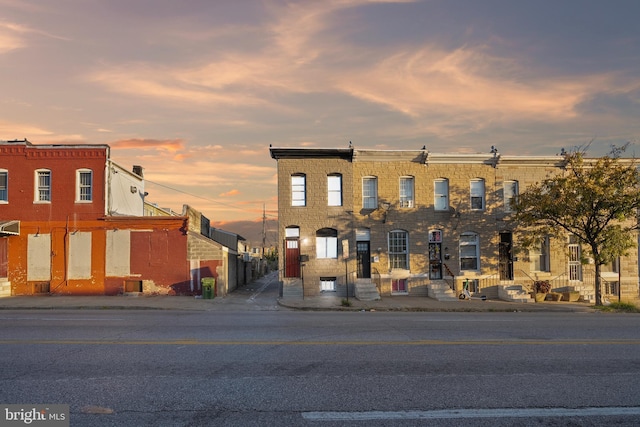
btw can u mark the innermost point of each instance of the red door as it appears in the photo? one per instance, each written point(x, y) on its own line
point(292, 259)
point(4, 245)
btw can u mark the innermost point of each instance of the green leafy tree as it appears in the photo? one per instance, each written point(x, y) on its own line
point(596, 200)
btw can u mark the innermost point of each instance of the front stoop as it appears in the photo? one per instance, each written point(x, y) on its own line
point(441, 292)
point(5, 288)
point(366, 290)
point(514, 293)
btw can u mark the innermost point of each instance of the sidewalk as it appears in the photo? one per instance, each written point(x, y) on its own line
point(391, 303)
point(409, 303)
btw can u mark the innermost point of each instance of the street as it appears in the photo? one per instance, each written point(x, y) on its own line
point(254, 363)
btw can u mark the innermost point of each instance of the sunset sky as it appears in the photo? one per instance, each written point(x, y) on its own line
point(196, 90)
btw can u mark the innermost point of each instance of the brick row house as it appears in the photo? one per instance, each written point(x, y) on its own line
point(72, 222)
point(367, 223)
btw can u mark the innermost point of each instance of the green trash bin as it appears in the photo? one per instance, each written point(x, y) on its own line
point(208, 287)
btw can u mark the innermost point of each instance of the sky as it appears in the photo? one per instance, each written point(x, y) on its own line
point(195, 91)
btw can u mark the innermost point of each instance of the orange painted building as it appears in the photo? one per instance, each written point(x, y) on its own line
point(71, 223)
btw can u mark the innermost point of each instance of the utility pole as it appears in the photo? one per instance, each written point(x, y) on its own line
point(264, 228)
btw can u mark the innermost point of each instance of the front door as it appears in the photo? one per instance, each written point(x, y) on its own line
point(435, 261)
point(364, 260)
point(575, 265)
point(292, 258)
point(506, 258)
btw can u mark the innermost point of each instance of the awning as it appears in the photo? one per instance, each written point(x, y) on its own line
point(10, 228)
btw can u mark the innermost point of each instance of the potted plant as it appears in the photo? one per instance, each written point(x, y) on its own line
point(541, 288)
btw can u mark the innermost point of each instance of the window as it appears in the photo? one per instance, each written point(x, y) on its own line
point(477, 194)
point(441, 194)
point(469, 251)
point(84, 185)
point(4, 181)
point(298, 190)
point(370, 192)
point(510, 192)
point(327, 243)
point(399, 250)
point(406, 192)
point(327, 284)
point(43, 186)
point(539, 255)
point(334, 189)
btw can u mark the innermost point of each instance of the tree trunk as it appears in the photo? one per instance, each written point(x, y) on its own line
point(598, 285)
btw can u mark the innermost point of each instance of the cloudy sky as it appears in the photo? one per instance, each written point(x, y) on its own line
point(196, 90)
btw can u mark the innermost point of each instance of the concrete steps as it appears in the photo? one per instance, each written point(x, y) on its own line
point(441, 292)
point(366, 290)
point(514, 293)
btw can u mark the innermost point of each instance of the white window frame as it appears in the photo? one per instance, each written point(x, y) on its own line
point(298, 190)
point(510, 194)
point(327, 284)
point(334, 189)
point(327, 246)
point(539, 255)
point(4, 187)
point(41, 190)
point(398, 249)
point(440, 197)
point(407, 192)
point(80, 186)
point(477, 191)
point(370, 192)
point(469, 249)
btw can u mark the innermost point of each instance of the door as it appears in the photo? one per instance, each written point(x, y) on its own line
point(506, 258)
point(575, 266)
point(435, 261)
point(4, 246)
point(364, 260)
point(435, 254)
point(292, 258)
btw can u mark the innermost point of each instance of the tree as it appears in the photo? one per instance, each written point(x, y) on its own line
point(596, 200)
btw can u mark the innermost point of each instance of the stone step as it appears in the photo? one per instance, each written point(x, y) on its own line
point(366, 290)
point(5, 288)
point(514, 293)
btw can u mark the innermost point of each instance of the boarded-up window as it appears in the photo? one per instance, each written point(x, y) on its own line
point(79, 255)
point(118, 252)
point(39, 257)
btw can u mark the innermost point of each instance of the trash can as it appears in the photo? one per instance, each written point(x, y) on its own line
point(208, 287)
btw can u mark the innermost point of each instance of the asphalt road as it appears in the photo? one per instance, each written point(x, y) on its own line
point(253, 363)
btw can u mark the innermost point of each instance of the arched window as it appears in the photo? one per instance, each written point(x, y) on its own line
point(298, 190)
point(84, 185)
point(441, 194)
point(477, 194)
point(42, 186)
point(469, 252)
point(370, 192)
point(334, 189)
point(327, 243)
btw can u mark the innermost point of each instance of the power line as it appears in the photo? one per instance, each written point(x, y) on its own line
point(196, 196)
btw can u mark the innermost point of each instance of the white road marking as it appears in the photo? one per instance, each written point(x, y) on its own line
point(472, 413)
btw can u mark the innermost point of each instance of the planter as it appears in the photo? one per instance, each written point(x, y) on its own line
point(571, 296)
point(540, 297)
point(555, 296)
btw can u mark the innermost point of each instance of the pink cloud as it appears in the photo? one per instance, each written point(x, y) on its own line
point(233, 192)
